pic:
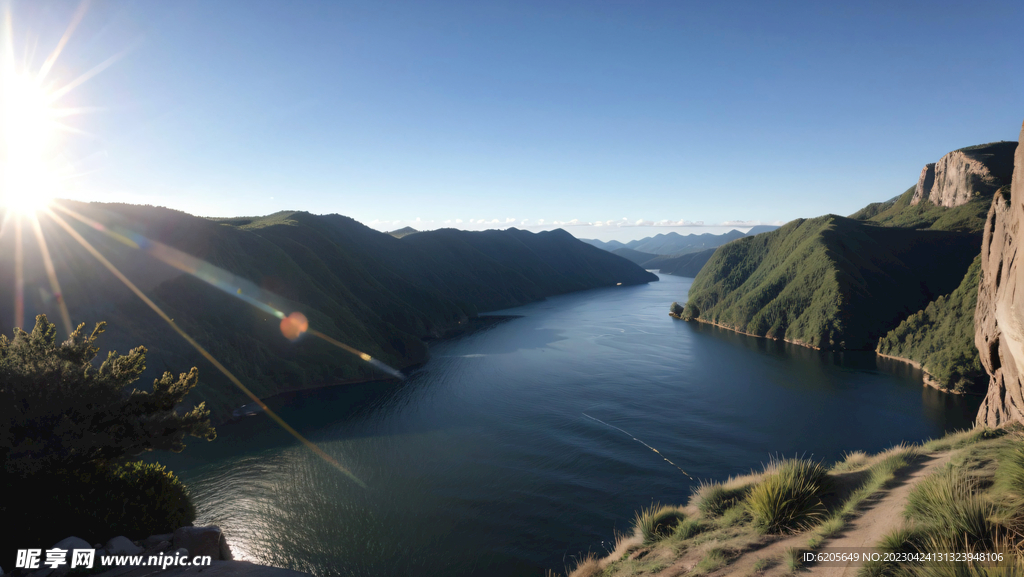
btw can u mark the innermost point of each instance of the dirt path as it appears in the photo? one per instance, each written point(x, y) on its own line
point(879, 515)
point(883, 516)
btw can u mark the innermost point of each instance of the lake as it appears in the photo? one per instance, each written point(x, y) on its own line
point(491, 460)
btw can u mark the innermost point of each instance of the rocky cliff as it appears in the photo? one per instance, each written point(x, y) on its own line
point(999, 318)
point(965, 174)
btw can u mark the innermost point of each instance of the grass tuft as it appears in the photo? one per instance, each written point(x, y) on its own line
point(713, 499)
point(949, 503)
point(713, 560)
point(657, 522)
point(788, 498)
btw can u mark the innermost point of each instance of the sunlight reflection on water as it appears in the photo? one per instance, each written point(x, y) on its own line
point(482, 463)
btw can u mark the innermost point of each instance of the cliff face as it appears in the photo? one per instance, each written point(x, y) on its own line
point(924, 183)
point(999, 318)
point(966, 173)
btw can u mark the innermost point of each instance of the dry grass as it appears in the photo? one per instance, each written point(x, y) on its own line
point(587, 566)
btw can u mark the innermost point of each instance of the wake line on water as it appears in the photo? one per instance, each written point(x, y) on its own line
point(641, 442)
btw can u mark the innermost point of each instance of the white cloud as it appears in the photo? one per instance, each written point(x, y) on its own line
point(508, 220)
point(449, 221)
point(458, 221)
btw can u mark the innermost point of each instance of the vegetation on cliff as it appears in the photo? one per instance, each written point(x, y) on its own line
point(829, 282)
point(898, 212)
point(941, 338)
point(68, 432)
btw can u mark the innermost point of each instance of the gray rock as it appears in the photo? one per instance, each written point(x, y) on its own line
point(225, 551)
point(155, 539)
point(180, 552)
point(122, 546)
point(156, 549)
point(200, 540)
point(72, 543)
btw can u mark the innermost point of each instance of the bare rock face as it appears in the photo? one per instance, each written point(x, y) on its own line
point(924, 183)
point(999, 318)
point(965, 174)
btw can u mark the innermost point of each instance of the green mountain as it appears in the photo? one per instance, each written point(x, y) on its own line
point(953, 194)
point(899, 212)
point(829, 282)
point(941, 338)
point(635, 256)
point(674, 243)
point(688, 265)
point(380, 294)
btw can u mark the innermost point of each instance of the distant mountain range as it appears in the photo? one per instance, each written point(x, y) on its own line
point(380, 294)
point(674, 253)
point(673, 243)
point(403, 232)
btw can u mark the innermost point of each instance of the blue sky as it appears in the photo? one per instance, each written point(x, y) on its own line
point(458, 112)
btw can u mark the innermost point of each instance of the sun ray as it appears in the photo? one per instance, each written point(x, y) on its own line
point(220, 367)
point(19, 276)
point(52, 59)
point(57, 94)
point(51, 273)
point(220, 279)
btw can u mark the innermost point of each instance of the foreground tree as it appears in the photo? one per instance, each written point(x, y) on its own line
point(68, 431)
point(57, 410)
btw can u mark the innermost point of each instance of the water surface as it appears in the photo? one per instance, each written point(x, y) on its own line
point(483, 463)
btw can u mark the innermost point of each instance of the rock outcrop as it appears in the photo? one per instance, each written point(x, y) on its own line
point(966, 173)
point(999, 318)
point(924, 183)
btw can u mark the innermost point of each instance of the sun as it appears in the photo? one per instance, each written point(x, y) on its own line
point(28, 124)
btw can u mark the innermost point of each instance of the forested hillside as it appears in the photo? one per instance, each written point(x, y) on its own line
point(829, 282)
point(380, 294)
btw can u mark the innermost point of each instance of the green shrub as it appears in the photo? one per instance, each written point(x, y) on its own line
point(135, 500)
point(789, 497)
point(657, 522)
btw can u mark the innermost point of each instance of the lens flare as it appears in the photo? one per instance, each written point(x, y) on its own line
point(31, 174)
point(223, 280)
point(199, 348)
point(294, 326)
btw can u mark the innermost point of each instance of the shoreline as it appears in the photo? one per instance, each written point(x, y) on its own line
point(475, 324)
point(927, 379)
point(735, 330)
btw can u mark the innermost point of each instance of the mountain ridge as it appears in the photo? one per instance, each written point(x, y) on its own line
point(380, 294)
